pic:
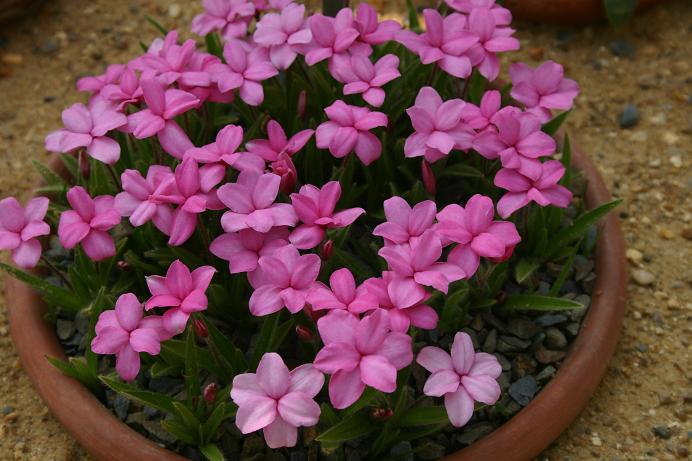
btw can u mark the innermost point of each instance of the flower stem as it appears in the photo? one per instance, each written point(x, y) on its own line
point(52, 267)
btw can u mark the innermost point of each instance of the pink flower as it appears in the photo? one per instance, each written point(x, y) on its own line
point(522, 190)
point(271, 149)
point(403, 222)
point(20, 228)
point(342, 294)
point(163, 105)
point(94, 84)
point(348, 129)
point(180, 290)
point(501, 15)
point(247, 66)
point(223, 151)
point(283, 33)
point(137, 202)
point(123, 331)
point(87, 127)
point(88, 223)
point(231, 17)
point(543, 88)
point(126, 91)
point(404, 300)
point(418, 260)
point(476, 233)
point(331, 36)
point(362, 77)
point(438, 127)
point(287, 277)
point(491, 40)
point(277, 400)
point(519, 142)
point(479, 118)
point(445, 41)
point(315, 208)
point(171, 64)
point(360, 352)
point(243, 249)
point(251, 201)
point(370, 29)
point(462, 377)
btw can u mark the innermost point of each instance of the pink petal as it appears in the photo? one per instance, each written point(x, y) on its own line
point(482, 388)
point(462, 353)
point(338, 327)
point(441, 382)
point(265, 300)
point(459, 406)
point(377, 372)
point(306, 379)
point(396, 348)
point(434, 359)
point(298, 409)
point(371, 332)
point(256, 414)
point(27, 254)
point(279, 434)
point(128, 311)
point(485, 364)
point(145, 340)
point(345, 388)
point(98, 245)
point(336, 356)
point(245, 388)
point(272, 375)
point(127, 363)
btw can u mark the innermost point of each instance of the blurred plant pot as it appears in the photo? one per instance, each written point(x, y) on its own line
point(564, 11)
point(15, 9)
point(523, 437)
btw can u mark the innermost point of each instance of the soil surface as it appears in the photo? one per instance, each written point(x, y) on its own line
point(643, 408)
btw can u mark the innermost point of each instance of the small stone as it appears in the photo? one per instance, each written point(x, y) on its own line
point(65, 329)
point(536, 53)
point(174, 10)
point(682, 452)
point(523, 365)
point(12, 59)
point(573, 328)
point(121, 405)
point(490, 343)
point(687, 233)
point(661, 432)
point(664, 398)
point(554, 339)
point(634, 255)
point(402, 451)
point(49, 47)
point(522, 328)
point(596, 441)
point(504, 363)
point(512, 344)
point(622, 48)
point(666, 233)
point(641, 347)
point(546, 373)
point(549, 320)
point(546, 356)
point(430, 451)
point(137, 417)
point(474, 432)
point(6, 410)
point(643, 277)
point(523, 390)
point(629, 116)
point(11, 417)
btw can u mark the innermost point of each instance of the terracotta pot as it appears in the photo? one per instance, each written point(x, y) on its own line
point(523, 437)
point(564, 11)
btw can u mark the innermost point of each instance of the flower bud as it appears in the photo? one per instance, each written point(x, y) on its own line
point(209, 392)
point(302, 103)
point(326, 250)
point(304, 333)
point(123, 265)
point(428, 178)
point(200, 328)
point(313, 314)
point(382, 414)
point(285, 168)
point(84, 167)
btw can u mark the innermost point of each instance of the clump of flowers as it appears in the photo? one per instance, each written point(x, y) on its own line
point(308, 199)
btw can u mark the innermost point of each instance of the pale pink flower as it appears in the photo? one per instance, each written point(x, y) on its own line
point(342, 294)
point(543, 89)
point(348, 130)
point(404, 300)
point(223, 151)
point(137, 202)
point(331, 36)
point(315, 208)
point(277, 400)
point(476, 233)
point(445, 42)
point(182, 291)
point(418, 260)
point(230, 17)
point(247, 65)
point(243, 249)
point(88, 222)
point(287, 278)
point(251, 201)
point(125, 91)
point(360, 352)
point(403, 222)
point(171, 64)
point(479, 118)
point(462, 377)
point(501, 15)
point(205, 62)
point(87, 127)
point(20, 228)
point(283, 33)
point(125, 332)
point(522, 190)
point(163, 105)
point(438, 126)
point(362, 77)
point(277, 143)
point(371, 30)
point(94, 84)
point(491, 40)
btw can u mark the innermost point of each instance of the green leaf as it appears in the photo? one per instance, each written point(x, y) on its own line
point(77, 369)
point(422, 416)
point(413, 22)
point(461, 170)
point(211, 452)
point(567, 266)
point(566, 162)
point(48, 175)
point(477, 87)
point(346, 259)
point(97, 306)
point(553, 125)
point(53, 294)
point(156, 24)
point(265, 338)
point(179, 430)
point(524, 269)
point(540, 303)
point(148, 398)
point(349, 428)
point(619, 12)
point(192, 384)
point(228, 352)
point(214, 44)
point(581, 225)
point(211, 425)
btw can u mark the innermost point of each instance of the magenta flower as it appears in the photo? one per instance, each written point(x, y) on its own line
point(342, 294)
point(171, 64)
point(223, 151)
point(88, 223)
point(123, 331)
point(362, 77)
point(137, 201)
point(476, 233)
point(403, 222)
point(251, 201)
point(479, 118)
point(438, 127)
point(277, 400)
point(491, 40)
point(462, 377)
point(20, 228)
point(283, 33)
point(519, 142)
point(182, 291)
point(371, 30)
point(271, 149)
point(419, 260)
point(231, 17)
point(404, 300)
point(522, 190)
point(543, 88)
point(94, 84)
point(126, 91)
point(331, 36)
point(359, 353)
point(287, 277)
point(445, 42)
point(501, 15)
point(247, 66)
point(348, 129)
point(243, 249)
point(163, 105)
point(87, 127)
point(315, 208)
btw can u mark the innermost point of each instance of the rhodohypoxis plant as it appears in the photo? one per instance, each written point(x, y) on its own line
point(263, 197)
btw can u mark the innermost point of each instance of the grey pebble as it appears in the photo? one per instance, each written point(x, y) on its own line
point(490, 343)
point(522, 328)
point(504, 363)
point(554, 339)
point(546, 356)
point(121, 405)
point(474, 432)
point(549, 320)
point(622, 48)
point(523, 390)
point(573, 328)
point(430, 451)
point(629, 116)
point(65, 329)
point(643, 277)
point(512, 344)
point(6, 410)
point(661, 432)
point(546, 373)
point(402, 451)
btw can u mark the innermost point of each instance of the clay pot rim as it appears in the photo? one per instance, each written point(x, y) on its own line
point(524, 436)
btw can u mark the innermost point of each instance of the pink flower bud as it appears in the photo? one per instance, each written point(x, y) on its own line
point(84, 167)
point(327, 250)
point(123, 265)
point(285, 168)
point(382, 414)
point(209, 392)
point(428, 178)
point(302, 103)
point(200, 328)
point(304, 333)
